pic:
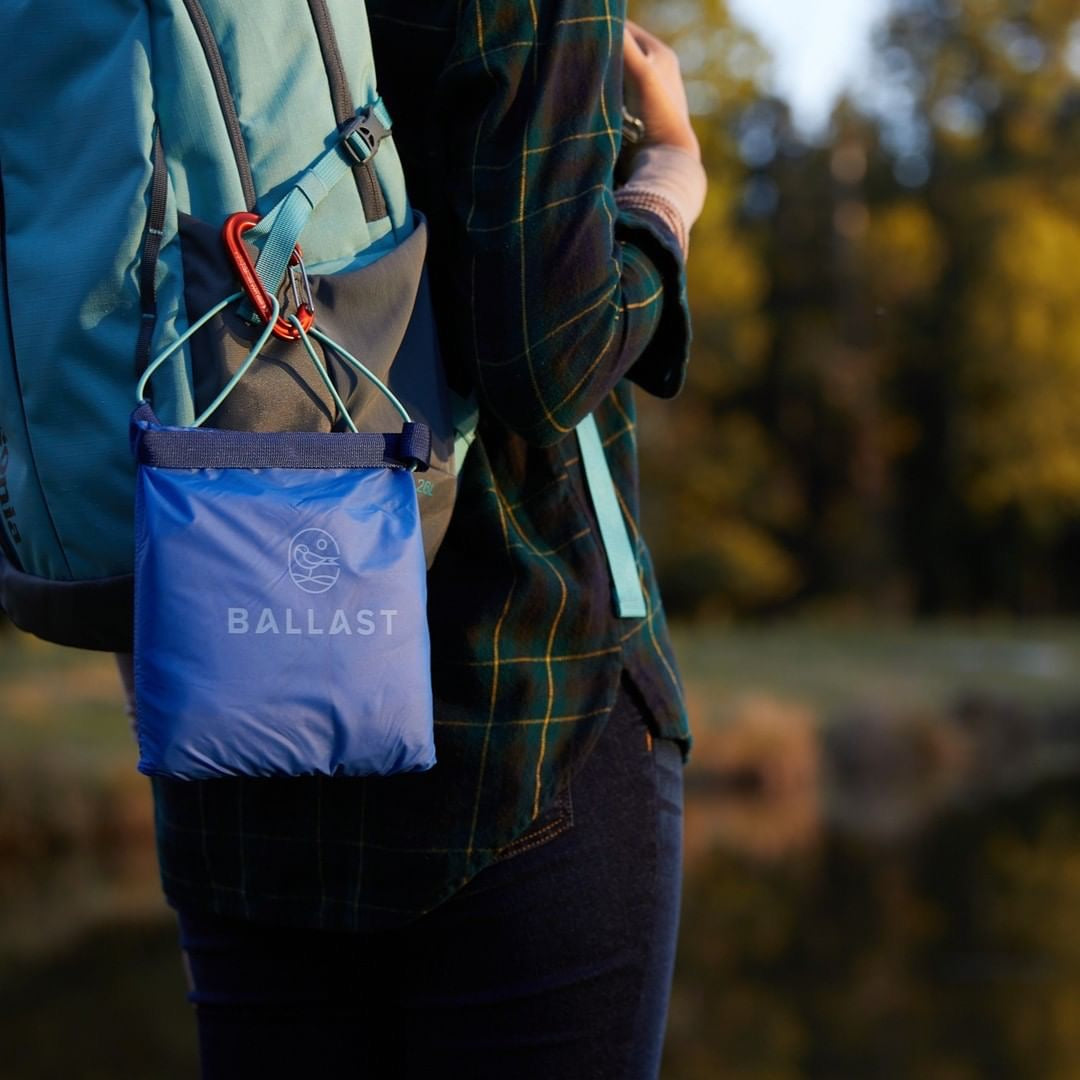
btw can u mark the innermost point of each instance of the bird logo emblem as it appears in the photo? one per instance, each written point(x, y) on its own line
point(314, 560)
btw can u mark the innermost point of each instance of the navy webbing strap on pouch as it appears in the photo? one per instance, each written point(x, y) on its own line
point(202, 448)
point(629, 599)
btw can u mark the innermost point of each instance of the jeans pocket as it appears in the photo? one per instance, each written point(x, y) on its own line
point(552, 822)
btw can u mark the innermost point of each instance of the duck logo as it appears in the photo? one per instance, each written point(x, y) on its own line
point(314, 561)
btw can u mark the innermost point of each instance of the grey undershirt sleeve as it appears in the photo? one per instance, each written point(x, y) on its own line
point(669, 182)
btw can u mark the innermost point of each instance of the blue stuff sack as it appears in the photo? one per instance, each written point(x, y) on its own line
point(280, 603)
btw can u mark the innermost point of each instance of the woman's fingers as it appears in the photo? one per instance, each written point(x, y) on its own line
point(642, 38)
point(654, 89)
point(637, 71)
point(633, 53)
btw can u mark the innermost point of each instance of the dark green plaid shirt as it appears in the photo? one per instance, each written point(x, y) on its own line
point(551, 302)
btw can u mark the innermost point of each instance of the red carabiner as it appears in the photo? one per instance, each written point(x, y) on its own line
point(232, 232)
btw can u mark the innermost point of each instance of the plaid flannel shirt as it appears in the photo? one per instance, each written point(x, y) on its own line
point(551, 301)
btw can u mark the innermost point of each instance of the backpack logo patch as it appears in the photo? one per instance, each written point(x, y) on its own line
point(314, 560)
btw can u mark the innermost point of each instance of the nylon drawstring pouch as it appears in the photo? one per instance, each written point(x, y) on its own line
point(280, 596)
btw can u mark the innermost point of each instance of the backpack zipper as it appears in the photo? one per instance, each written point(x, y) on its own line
point(367, 186)
point(153, 235)
point(7, 544)
point(220, 78)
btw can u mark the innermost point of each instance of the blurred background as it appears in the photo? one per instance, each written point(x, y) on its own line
point(872, 562)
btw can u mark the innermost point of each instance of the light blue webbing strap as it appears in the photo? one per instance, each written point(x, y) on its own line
point(629, 599)
point(277, 233)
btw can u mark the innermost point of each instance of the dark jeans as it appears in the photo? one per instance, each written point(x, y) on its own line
point(553, 964)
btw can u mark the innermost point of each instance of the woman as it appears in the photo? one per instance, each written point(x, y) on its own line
point(512, 912)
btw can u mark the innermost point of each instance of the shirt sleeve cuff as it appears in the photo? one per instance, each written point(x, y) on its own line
point(661, 368)
point(634, 198)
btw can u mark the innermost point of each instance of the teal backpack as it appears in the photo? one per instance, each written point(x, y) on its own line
point(155, 159)
point(175, 176)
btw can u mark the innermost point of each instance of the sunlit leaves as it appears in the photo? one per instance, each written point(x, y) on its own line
point(1021, 411)
point(885, 384)
point(903, 252)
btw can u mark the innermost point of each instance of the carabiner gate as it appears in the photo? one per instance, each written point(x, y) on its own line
point(232, 233)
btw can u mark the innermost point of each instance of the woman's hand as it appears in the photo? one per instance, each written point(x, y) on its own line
point(655, 92)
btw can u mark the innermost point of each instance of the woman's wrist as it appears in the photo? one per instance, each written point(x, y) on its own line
point(669, 181)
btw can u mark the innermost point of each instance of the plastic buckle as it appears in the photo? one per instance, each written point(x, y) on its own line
point(371, 131)
point(232, 232)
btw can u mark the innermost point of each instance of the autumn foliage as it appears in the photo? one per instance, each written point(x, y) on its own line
point(884, 406)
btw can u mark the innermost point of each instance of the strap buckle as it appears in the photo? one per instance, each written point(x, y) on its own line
point(361, 136)
point(232, 232)
point(633, 127)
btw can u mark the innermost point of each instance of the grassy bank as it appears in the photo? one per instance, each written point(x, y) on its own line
point(67, 758)
point(761, 694)
point(833, 668)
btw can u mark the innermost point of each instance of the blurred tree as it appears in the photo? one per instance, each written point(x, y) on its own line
point(980, 99)
point(887, 355)
point(713, 516)
point(1021, 414)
